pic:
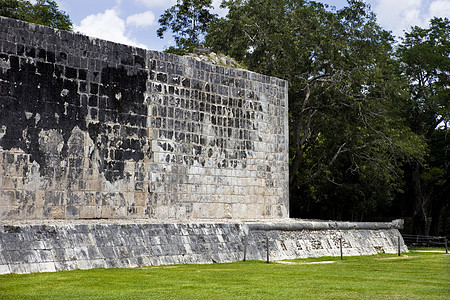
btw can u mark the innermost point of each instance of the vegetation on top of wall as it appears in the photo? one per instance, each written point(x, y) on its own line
point(216, 58)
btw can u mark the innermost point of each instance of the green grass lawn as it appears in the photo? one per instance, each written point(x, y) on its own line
point(415, 275)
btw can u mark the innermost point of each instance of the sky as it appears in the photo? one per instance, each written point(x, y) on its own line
point(134, 22)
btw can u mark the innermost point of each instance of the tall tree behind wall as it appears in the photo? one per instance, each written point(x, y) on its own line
point(346, 128)
point(43, 12)
point(189, 21)
point(425, 61)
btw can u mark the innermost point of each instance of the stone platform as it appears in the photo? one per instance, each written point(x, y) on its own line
point(49, 246)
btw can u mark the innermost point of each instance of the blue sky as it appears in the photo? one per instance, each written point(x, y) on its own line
point(135, 22)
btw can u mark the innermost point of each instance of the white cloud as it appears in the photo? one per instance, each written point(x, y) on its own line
point(144, 19)
point(157, 3)
point(397, 15)
point(107, 25)
point(400, 15)
point(165, 4)
point(440, 8)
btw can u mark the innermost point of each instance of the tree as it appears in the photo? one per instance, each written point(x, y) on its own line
point(44, 12)
point(425, 61)
point(189, 21)
point(10, 8)
point(344, 93)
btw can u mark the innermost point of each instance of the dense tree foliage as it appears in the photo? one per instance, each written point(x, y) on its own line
point(425, 61)
point(43, 12)
point(348, 136)
point(189, 21)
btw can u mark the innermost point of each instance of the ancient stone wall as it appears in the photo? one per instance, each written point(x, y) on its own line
point(95, 129)
point(85, 244)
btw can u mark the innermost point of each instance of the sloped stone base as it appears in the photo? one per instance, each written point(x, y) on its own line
point(56, 246)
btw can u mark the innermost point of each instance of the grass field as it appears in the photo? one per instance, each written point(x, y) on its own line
point(415, 275)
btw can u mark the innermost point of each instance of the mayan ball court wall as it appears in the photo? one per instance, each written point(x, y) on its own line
point(115, 156)
point(95, 129)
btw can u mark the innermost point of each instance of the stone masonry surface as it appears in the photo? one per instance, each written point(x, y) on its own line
point(95, 129)
point(84, 244)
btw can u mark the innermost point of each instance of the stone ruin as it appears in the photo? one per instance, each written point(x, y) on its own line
point(95, 129)
point(115, 156)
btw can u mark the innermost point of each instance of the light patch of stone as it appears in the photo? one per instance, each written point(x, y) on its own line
point(4, 64)
point(2, 131)
point(64, 92)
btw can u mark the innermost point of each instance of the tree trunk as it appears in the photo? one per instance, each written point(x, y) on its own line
point(419, 220)
point(438, 208)
point(436, 217)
